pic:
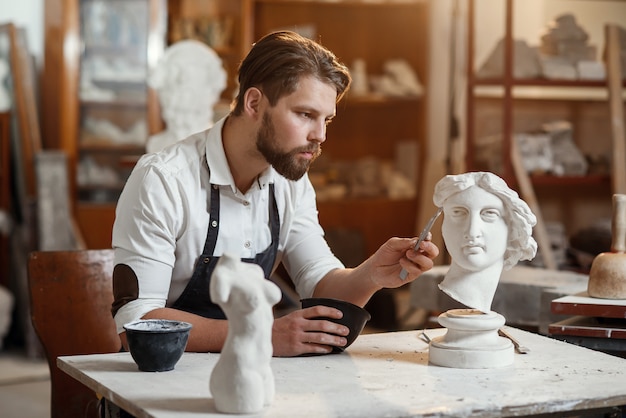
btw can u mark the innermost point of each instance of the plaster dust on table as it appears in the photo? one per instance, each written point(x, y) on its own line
point(455, 389)
point(380, 375)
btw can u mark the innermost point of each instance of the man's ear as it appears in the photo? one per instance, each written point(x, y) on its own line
point(252, 101)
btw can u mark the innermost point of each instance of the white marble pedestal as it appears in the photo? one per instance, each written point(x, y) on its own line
point(471, 341)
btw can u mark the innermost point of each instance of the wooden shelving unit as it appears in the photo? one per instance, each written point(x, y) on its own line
point(515, 103)
point(371, 125)
point(74, 53)
point(368, 126)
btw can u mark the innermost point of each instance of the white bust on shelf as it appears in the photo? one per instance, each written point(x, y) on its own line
point(487, 228)
point(242, 381)
point(189, 80)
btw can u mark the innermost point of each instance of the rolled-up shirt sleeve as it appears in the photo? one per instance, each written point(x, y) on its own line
point(307, 257)
point(147, 218)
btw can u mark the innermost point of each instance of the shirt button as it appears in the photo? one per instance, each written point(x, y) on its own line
point(246, 203)
point(247, 244)
point(214, 223)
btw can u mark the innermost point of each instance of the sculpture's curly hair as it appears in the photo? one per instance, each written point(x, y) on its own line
point(520, 219)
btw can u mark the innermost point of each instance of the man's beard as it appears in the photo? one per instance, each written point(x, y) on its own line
point(286, 164)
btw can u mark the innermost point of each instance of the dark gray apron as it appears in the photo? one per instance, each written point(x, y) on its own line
point(196, 297)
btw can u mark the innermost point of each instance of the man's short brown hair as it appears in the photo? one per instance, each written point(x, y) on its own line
point(278, 61)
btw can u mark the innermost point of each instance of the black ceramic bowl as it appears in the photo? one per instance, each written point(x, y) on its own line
point(156, 345)
point(354, 317)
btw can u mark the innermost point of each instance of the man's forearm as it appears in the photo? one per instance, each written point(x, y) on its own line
point(206, 335)
point(353, 285)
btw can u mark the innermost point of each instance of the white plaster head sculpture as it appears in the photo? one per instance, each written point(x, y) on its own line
point(487, 228)
point(242, 381)
point(189, 80)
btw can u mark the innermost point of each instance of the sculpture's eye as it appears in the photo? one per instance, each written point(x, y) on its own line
point(490, 215)
point(458, 212)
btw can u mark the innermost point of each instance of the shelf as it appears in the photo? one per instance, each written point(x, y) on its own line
point(541, 82)
point(105, 145)
point(573, 181)
point(373, 125)
point(505, 105)
point(124, 103)
point(361, 3)
point(377, 99)
point(545, 92)
point(373, 201)
point(99, 187)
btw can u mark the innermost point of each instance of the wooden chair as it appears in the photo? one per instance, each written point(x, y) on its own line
point(70, 296)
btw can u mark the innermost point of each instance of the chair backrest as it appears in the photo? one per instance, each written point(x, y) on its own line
point(70, 296)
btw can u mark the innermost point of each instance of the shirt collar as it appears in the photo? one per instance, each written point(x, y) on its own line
point(218, 165)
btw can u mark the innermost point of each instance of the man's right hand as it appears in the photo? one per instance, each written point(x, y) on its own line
point(303, 332)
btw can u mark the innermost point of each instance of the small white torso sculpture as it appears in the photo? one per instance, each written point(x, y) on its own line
point(189, 80)
point(487, 228)
point(242, 381)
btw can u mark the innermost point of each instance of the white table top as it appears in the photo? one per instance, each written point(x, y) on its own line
point(379, 375)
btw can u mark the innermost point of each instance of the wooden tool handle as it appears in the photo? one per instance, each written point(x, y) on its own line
point(615, 75)
point(618, 224)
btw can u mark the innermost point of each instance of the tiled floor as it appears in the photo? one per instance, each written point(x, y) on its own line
point(24, 386)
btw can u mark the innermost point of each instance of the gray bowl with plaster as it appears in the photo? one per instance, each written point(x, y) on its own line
point(156, 345)
point(354, 317)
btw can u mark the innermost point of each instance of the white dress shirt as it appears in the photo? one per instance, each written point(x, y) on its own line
point(162, 219)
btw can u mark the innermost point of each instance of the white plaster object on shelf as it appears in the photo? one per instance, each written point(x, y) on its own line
point(242, 381)
point(91, 173)
point(112, 69)
point(552, 150)
point(106, 129)
point(591, 70)
point(365, 178)
point(5, 96)
point(487, 229)
point(6, 223)
point(7, 301)
point(404, 76)
point(564, 28)
point(525, 61)
point(398, 186)
point(359, 86)
point(558, 68)
point(536, 151)
point(565, 38)
point(398, 80)
point(568, 158)
point(189, 80)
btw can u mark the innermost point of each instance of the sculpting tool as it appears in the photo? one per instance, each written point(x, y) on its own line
point(422, 237)
point(518, 347)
